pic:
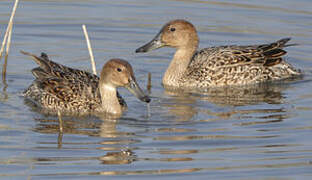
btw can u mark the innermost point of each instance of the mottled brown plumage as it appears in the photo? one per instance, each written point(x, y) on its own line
point(73, 91)
point(218, 66)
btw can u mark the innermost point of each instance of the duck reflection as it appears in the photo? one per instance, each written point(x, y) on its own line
point(180, 106)
point(184, 104)
point(113, 142)
point(249, 95)
point(122, 157)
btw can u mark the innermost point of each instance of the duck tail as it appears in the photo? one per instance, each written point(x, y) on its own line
point(40, 73)
point(43, 61)
point(283, 43)
point(274, 52)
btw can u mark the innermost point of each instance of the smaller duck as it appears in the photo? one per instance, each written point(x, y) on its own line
point(72, 91)
point(218, 66)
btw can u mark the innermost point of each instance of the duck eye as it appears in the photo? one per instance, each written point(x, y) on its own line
point(172, 29)
point(119, 70)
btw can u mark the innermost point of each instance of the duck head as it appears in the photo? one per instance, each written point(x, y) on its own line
point(177, 34)
point(119, 73)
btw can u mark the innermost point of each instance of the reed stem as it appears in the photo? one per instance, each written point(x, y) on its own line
point(60, 121)
point(60, 134)
point(89, 48)
point(8, 32)
point(149, 82)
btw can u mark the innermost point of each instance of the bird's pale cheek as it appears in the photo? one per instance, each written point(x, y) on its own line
point(125, 81)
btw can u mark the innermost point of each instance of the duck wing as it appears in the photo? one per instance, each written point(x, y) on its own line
point(62, 94)
point(49, 68)
point(227, 56)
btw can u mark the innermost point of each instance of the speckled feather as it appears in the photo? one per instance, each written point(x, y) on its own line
point(58, 87)
point(238, 65)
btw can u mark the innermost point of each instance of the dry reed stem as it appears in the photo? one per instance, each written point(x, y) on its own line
point(3, 43)
point(4, 68)
point(149, 82)
point(7, 36)
point(89, 48)
point(60, 134)
point(59, 140)
point(8, 44)
point(60, 121)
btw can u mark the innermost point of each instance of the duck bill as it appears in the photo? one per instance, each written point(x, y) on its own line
point(135, 89)
point(153, 44)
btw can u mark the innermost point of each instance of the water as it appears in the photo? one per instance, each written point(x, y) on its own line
point(265, 134)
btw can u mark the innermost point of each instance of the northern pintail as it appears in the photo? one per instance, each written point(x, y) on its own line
point(73, 91)
point(218, 66)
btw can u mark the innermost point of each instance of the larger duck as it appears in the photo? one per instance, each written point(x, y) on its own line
point(73, 91)
point(218, 66)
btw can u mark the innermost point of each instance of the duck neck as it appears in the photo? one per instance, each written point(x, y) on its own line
point(178, 65)
point(109, 100)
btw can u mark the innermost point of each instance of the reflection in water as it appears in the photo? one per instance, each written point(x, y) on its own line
point(70, 126)
point(183, 104)
point(271, 93)
point(194, 137)
point(142, 172)
point(237, 96)
point(181, 107)
point(115, 145)
point(171, 170)
point(121, 157)
point(266, 114)
point(4, 94)
point(105, 129)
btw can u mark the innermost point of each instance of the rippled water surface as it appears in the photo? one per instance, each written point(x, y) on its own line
point(256, 133)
